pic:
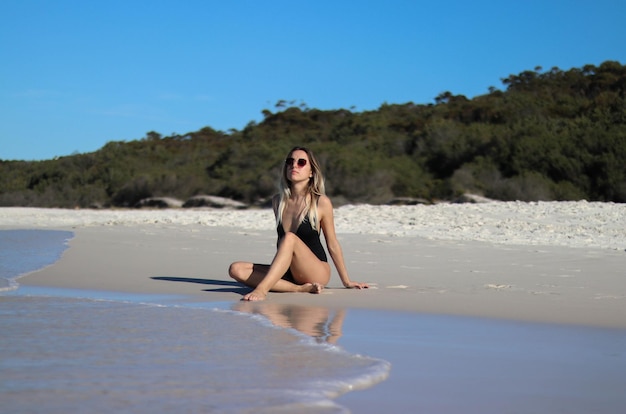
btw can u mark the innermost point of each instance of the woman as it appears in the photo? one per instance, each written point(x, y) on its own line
point(301, 210)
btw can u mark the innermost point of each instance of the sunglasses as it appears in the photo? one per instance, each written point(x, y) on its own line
point(301, 162)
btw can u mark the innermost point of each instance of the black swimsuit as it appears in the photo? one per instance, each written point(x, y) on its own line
point(310, 237)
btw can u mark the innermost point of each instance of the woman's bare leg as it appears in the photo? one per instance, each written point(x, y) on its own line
point(251, 274)
point(306, 267)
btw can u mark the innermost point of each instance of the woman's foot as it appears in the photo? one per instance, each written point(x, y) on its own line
point(254, 296)
point(312, 288)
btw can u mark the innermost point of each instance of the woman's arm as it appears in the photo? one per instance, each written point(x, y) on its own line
point(327, 222)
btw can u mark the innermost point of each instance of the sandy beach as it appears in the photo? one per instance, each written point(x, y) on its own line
point(548, 264)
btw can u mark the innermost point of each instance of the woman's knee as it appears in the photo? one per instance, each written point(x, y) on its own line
point(290, 238)
point(236, 270)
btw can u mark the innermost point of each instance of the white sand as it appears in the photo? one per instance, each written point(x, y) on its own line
point(553, 262)
point(569, 224)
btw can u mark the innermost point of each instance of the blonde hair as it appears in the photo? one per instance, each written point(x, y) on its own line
point(315, 190)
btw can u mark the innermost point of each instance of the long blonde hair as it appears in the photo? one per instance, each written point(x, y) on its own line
point(315, 190)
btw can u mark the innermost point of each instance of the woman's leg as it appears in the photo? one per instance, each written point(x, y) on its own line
point(248, 273)
point(307, 269)
point(251, 274)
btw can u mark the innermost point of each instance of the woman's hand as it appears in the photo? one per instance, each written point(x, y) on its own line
point(356, 285)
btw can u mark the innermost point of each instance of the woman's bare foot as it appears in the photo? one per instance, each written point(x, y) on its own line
point(312, 288)
point(254, 296)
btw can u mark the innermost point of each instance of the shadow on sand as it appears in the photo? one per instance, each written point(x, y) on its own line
point(233, 287)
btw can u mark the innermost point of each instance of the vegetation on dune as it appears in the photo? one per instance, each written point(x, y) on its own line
point(549, 135)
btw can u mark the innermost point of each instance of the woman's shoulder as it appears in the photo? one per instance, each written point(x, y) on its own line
point(324, 202)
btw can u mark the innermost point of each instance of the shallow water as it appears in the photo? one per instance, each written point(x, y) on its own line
point(106, 356)
point(450, 364)
point(24, 251)
point(67, 350)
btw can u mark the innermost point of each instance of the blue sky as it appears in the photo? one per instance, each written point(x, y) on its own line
point(75, 75)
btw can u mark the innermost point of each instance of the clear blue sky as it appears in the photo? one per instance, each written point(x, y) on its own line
point(75, 75)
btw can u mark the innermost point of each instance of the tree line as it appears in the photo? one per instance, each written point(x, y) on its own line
point(546, 135)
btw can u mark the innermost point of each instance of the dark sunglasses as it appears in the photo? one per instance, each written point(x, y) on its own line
point(300, 161)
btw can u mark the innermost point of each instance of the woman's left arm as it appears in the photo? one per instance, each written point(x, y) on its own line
point(327, 223)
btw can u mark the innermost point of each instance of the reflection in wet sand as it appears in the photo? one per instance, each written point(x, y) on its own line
point(321, 323)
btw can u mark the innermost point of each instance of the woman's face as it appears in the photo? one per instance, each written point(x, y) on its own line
point(298, 166)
